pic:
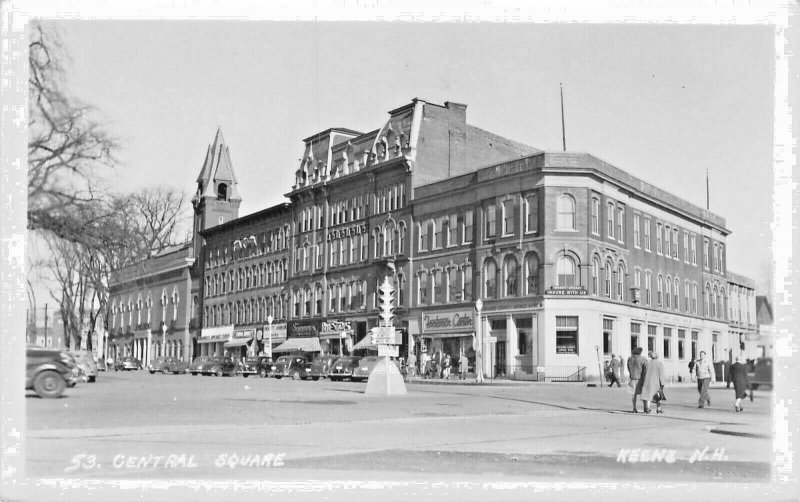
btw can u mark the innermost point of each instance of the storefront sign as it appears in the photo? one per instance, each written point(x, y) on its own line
point(347, 231)
point(335, 327)
point(447, 321)
point(244, 333)
point(304, 328)
point(566, 349)
point(566, 291)
point(216, 334)
point(278, 332)
point(506, 305)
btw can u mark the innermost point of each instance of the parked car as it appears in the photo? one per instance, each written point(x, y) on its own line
point(760, 372)
point(259, 365)
point(167, 365)
point(365, 367)
point(128, 363)
point(289, 366)
point(86, 364)
point(343, 368)
point(49, 371)
point(196, 368)
point(219, 366)
point(320, 367)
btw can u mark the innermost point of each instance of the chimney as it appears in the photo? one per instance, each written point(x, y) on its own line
point(458, 109)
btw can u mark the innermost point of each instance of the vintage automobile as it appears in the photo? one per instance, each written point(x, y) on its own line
point(167, 365)
point(86, 363)
point(290, 366)
point(365, 367)
point(49, 371)
point(760, 372)
point(219, 366)
point(343, 368)
point(196, 367)
point(320, 367)
point(127, 363)
point(259, 365)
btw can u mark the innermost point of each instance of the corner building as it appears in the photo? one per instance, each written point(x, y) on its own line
point(571, 258)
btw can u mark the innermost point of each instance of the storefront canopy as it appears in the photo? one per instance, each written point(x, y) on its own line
point(239, 342)
point(305, 344)
point(365, 344)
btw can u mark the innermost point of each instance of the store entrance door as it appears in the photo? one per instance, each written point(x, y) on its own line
point(500, 359)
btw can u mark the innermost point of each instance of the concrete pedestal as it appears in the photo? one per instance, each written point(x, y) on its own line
point(385, 380)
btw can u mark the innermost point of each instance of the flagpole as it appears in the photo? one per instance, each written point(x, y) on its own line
point(563, 130)
point(708, 195)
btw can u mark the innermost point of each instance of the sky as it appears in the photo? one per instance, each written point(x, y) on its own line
point(666, 103)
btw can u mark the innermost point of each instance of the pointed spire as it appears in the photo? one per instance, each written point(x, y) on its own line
point(218, 167)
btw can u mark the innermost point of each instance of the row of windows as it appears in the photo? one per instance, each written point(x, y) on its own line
point(615, 225)
point(388, 240)
point(248, 247)
point(442, 286)
point(442, 232)
point(245, 311)
point(509, 216)
point(244, 278)
point(347, 296)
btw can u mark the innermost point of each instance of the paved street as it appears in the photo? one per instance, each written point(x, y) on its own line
point(133, 426)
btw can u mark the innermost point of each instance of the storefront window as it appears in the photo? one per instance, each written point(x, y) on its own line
point(636, 330)
point(681, 340)
point(608, 331)
point(651, 337)
point(667, 343)
point(566, 335)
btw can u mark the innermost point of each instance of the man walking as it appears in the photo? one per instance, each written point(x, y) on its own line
point(636, 364)
point(614, 371)
point(704, 369)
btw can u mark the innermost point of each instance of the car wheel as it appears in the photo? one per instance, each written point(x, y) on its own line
point(295, 375)
point(219, 372)
point(49, 384)
point(92, 379)
point(278, 376)
point(152, 372)
point(262, 373)
point(165, 371)
point(245, 375)
point(315, 378)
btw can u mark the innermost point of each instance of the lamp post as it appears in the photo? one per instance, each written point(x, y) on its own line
point(479, 333)
point(268, 350)
point(163, 339)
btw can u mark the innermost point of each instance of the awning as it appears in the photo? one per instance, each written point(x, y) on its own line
point(444, 335)
point(365, 344)
point(209, 340)
point(239, 342)
point(304, 344)
point(334, 336)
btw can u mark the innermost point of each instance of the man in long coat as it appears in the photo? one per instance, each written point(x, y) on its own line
point(653, 379)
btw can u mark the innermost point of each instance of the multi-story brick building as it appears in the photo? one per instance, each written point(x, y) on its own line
point(569, 258)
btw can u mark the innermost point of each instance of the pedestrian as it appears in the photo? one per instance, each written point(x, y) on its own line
point(463, 365)
point(636, 364)
point(110, 363)
point(412, 365)
point(704, 370)
point(621, 368)
point(614, 371)
point(727, 371)
point(651, 385)
point(423, 364)
point(691, 367)
point(446, 367)
point(741, 382)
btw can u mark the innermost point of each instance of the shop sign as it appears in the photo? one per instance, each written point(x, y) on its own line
point(566, 291)
point(566, 349)
point(244, 333)
point(347, 231)
point(335, 327)
point(447, 321)
point(278, 331)
point(304, 328)
point(510, 306)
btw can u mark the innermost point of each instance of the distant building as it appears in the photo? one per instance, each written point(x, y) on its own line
point(765, 343)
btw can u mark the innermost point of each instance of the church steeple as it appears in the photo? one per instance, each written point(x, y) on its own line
point(217, 198)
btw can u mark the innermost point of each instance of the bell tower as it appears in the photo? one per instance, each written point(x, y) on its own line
point(217, 198)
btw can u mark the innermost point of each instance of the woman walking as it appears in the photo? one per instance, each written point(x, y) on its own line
point(740, 382)
point(636, 364)
point(652, 382)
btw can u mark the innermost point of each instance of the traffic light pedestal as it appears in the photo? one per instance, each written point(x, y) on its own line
point(385, 380)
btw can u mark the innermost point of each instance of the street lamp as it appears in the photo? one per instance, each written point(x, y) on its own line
point(479, 333)
point(268, 352)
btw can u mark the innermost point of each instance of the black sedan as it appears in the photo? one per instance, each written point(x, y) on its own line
point(256, 366)
point(343, 368)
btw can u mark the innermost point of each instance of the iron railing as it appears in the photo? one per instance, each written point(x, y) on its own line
point(541, 373)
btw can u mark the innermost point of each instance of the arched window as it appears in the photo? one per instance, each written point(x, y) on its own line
point(490, 278)
point(566, 271)
point(222, 191)
point(422, 288)
point(659, 290)
point(307, 300)
point(401, 238)
point(607, 280)
point(648, 286)
point(707, 299)
point(452, 289)
point(566, 213)
point(668, 293)
point(438, 286)
point(714, 301)
point(389, 238)
point(595, 276)
point(466, 283)
point(510, 274)
point(620, 283)
point(531, 275)
point(675, 294)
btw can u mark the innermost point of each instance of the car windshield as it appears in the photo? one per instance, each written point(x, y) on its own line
point(252, 359)
point(284, 359)
point(201, 359)
point(215, 359)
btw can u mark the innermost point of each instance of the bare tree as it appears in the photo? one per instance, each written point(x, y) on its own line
point(66, 147)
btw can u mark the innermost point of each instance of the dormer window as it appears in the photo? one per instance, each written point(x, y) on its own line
point(222, 191)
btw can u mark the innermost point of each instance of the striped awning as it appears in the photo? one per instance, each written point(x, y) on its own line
point(364, 343)
point(304, 344)
point(237, 342)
